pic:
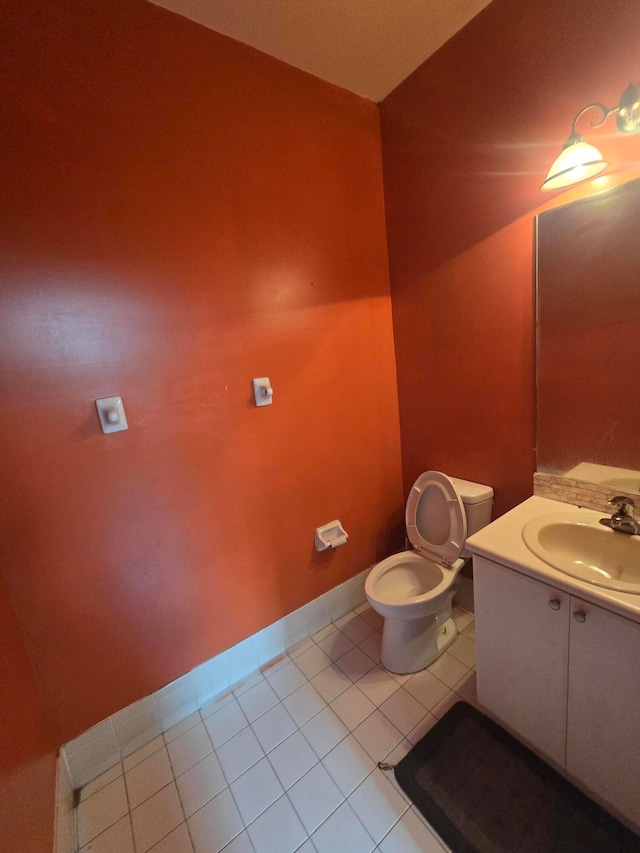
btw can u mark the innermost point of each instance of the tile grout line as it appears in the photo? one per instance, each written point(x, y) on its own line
point(175, 780)
point(308, 645)
point(126, 793)
point(345, 799)
point(164, 787)
point(112, 824)
point(97, 791)
point(281, 702)
point(235, 803)
point(285, 790)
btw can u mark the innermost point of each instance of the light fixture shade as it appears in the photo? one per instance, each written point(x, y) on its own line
point(578, 161)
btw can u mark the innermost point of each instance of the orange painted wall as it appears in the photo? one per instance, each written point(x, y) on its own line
point(27, 754)
point(467, 140)
point(185, 214)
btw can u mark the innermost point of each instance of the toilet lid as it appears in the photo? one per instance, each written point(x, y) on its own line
point(435, 518)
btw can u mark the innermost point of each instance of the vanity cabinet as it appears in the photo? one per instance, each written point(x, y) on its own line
point(563, 674)
point(603, 711)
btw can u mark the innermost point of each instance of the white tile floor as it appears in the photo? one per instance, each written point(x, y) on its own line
point(287, 761)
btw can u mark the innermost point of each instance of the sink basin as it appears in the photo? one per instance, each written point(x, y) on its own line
point(579, 546)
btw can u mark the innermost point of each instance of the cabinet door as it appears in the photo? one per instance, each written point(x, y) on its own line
point(522, 634)
point(603, 724)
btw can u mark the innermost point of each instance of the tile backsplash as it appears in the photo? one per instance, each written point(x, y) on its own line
point(577, 492)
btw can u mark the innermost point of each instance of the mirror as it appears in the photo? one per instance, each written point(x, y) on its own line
point(588, 339)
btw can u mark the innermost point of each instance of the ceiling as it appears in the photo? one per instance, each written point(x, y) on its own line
point(365, 46)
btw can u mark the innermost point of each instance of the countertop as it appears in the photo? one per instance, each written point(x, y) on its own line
point(501, 541)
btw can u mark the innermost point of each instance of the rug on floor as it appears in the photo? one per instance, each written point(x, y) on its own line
point(484, 792)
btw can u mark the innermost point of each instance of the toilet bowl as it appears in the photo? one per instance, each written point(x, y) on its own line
point(414, 590)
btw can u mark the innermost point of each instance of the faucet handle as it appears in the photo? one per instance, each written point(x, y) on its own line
point(623, 504)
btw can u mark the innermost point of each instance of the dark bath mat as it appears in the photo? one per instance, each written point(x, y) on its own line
point(484, 792)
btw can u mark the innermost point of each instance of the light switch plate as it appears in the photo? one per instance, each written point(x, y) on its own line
point(111, 414)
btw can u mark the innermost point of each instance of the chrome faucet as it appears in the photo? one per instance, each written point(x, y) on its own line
point(622, 520)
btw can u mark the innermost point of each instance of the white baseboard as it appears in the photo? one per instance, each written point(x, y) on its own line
point(108, 742)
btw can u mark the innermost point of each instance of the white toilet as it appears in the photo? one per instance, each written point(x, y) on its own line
point(413, 590)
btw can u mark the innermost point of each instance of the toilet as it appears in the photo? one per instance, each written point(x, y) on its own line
point(413, 590)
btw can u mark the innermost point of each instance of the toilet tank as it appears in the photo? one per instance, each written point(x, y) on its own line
point(478, 502)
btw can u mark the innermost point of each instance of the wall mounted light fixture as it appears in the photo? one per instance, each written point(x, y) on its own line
point(580, 161)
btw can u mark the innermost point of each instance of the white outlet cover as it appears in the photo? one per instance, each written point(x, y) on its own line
point(262, 391)
point(111, 414)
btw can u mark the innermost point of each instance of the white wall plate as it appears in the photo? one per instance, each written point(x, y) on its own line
point(111, 414)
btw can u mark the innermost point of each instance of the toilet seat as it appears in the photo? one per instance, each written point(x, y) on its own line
point(410, 583)
point(435, 518)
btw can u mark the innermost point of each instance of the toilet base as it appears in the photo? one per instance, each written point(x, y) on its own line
point(411, 645)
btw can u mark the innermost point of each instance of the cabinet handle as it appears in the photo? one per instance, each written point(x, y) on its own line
point(555, 604)
point(580, 616)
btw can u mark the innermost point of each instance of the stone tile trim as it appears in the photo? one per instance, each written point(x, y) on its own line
point(577, 492)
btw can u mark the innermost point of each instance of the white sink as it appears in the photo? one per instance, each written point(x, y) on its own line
point(580, 546)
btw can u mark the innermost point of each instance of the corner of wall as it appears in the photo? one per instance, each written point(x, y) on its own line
point(65, 820)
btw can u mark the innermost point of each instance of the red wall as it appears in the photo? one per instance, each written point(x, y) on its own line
point(27, 754)
point(185, 214)
point(467, 141)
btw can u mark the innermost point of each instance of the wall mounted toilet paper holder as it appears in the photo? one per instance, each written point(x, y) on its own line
point(330, 536)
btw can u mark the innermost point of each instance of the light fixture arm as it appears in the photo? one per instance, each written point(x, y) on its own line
point(606, 112)
point(628, 110)
point(574, 136)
